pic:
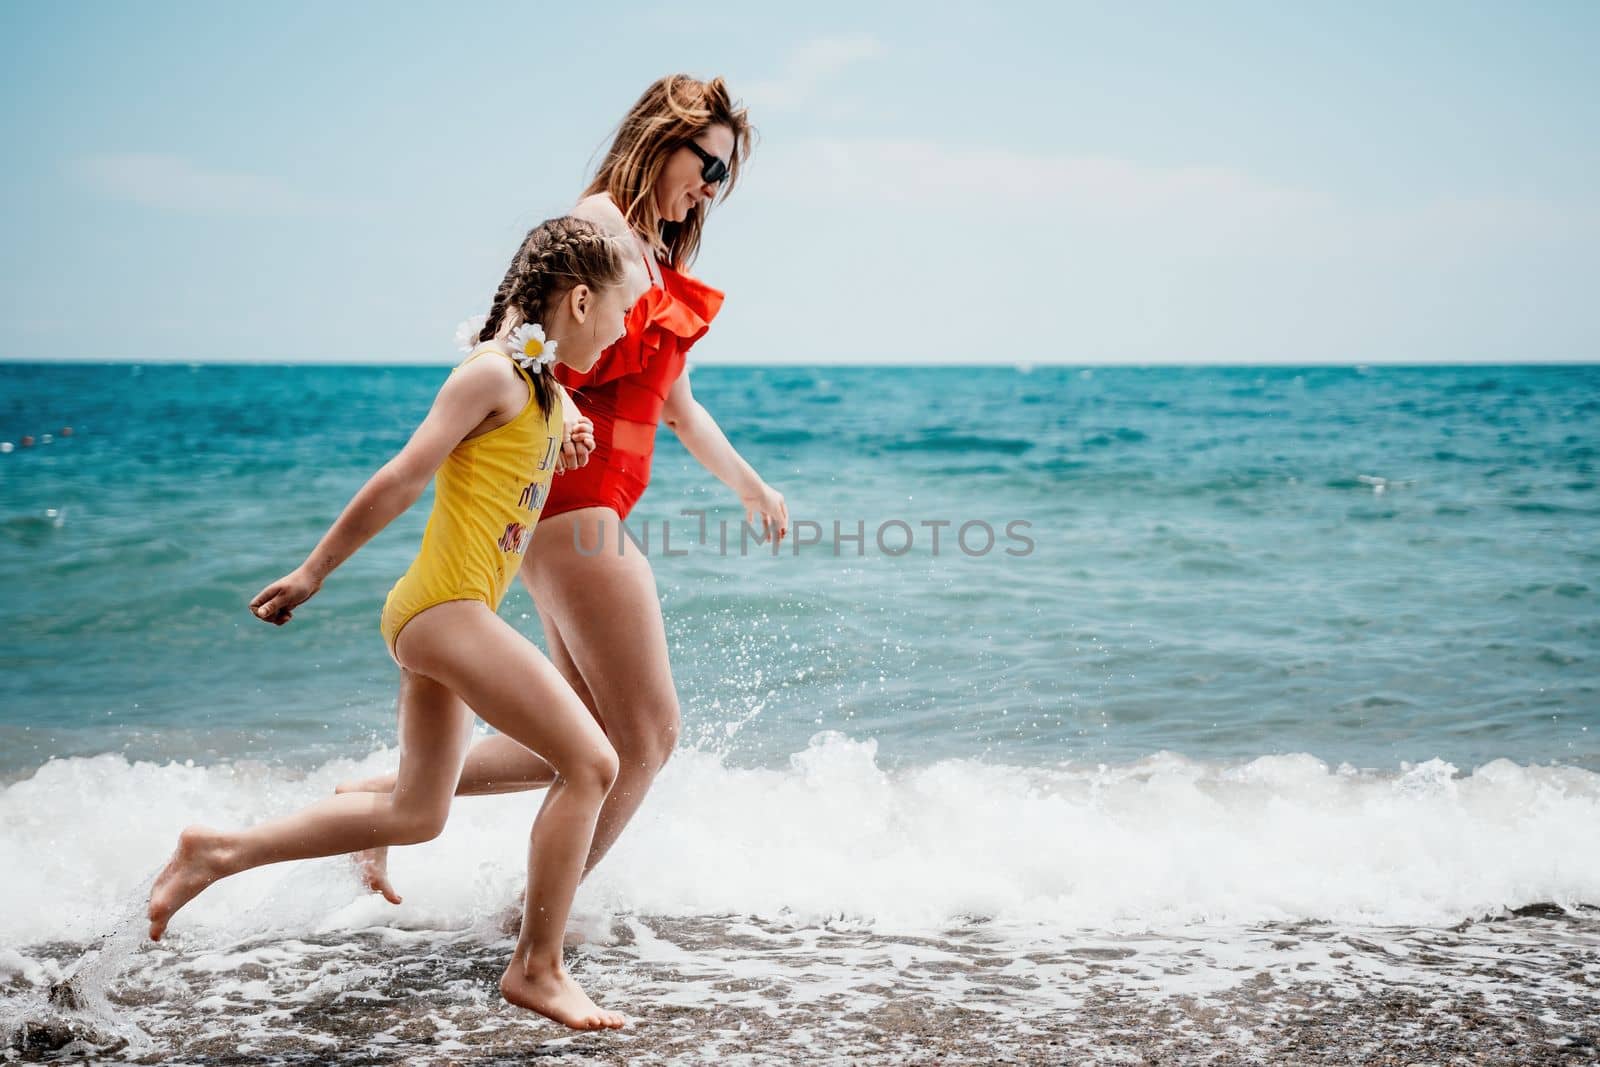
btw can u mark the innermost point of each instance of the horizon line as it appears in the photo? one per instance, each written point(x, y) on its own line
point(1019, 364)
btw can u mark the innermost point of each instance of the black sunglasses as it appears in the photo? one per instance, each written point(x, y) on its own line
point(712, 169)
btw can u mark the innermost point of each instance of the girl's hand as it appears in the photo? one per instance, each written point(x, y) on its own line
point(767, 502)
point(276, 603)
point(576, 444)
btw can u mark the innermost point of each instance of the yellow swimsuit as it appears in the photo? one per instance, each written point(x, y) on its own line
point(487, 497)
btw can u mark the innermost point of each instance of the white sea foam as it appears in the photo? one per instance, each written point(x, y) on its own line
point(1151, 844)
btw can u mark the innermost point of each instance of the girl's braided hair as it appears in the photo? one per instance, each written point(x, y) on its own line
point(557, 255)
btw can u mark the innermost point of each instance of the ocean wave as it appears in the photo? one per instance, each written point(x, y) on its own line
point(1161, 841)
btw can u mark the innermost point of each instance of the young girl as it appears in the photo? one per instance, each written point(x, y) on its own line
point(493, 436)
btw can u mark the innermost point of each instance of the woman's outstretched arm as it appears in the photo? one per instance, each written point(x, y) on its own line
point(706, 442)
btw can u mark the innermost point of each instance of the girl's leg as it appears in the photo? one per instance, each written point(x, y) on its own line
point(433, 741)
point(603, 611)
point(602, 619)
point(495, 764)
point(517, 691)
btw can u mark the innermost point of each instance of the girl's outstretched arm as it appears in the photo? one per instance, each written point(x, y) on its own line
point(707, 443)
point(476, 393)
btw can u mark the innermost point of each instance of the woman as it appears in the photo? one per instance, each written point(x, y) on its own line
point(678, 149)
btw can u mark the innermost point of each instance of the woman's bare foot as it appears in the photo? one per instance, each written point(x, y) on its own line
point(198, 861)
point(373, 866)
point(556, 996)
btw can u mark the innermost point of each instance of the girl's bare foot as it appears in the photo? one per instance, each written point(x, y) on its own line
point(198, 861)
point(556, 996)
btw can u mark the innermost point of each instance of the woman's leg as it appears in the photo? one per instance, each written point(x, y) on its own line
point(433, 741)
point(517, 691)
point(494, 764)
point(602, 610)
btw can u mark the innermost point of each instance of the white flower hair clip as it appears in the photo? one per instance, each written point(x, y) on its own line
point(468, 332)
point(529, 348)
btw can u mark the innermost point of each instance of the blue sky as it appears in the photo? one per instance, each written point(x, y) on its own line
point(1102, 183)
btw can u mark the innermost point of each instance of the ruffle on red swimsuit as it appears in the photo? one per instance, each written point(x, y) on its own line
point(624, 392)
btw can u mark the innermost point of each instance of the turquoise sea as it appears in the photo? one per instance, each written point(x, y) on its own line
point(1298, 653)
point(1366, 565)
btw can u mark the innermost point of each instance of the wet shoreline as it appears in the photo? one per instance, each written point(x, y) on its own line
point(1524, 989)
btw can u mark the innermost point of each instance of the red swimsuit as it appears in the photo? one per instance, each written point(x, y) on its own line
point(624, 392)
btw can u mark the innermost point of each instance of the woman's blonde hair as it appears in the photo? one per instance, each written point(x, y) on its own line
point(674, 110)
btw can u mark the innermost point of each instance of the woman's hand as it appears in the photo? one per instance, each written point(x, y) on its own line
point(577, 442)
point(276, 603)
point(577, 434)
point(767, 502)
